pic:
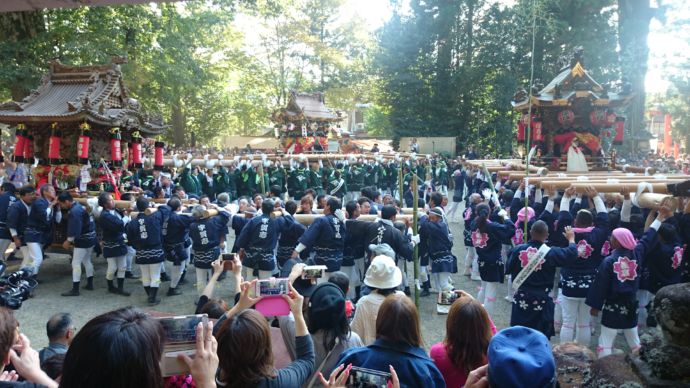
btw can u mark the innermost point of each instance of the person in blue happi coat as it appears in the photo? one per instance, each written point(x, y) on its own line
point(614, 290)
point(112, 223)
point(17, 217)
point(7, 198)
point(259, 238)
point(325, 237)
point(289, 238)
point(208, 238)
point(39, 226)
point(532, 305)
point(487, 238)
point(438, 243)
point(591, 235)
point(145, 235)
point(81, 235)
point(176, 242)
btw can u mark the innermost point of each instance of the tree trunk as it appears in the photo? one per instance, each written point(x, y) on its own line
point(633, 28)
point(178, 123)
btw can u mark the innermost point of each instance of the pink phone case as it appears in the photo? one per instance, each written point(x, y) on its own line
point(273, 305)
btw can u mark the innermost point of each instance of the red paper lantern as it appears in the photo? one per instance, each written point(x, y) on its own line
point(19, 144)
point(566, 117)
point(83, 143)
point(620, 130)
point(537, 134)
point(54, 145)
point(115, 147)
point(520, 132)
point(158, 156)
point(29, 149)
point(610, 119)
point(597, 117)
point(135, 150)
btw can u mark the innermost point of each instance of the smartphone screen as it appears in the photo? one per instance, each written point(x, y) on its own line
point(228, 261)
point(313, 271)
point(182, 329)
point(273, 286)
point(362, 377)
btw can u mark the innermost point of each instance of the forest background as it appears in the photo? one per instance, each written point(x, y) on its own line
point(434, 67)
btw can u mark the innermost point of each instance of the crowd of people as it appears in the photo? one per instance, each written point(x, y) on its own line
point(569, 258)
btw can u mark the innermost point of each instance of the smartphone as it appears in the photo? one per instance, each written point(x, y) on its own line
point(313, 272)
point(228, 261)
point(447, 297)
point(182, 329)
point(362, 377)
point(271, 287)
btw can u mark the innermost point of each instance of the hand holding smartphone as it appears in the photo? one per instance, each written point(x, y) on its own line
point(228, 261)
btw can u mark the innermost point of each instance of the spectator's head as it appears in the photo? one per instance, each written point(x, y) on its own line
point(306, 204)
point(397, 321)
point(352, 208)
point(341, 280)
point(244, 350)
point(468, 332)
point(142, 203)
point(8, 187)
point(60, 328)
point(53, 366)
point(8, 334)
point(364, 205)
point(215, 308)
point(326, 312)
point(521, 357)
point(539, 231)
point(583, 219)
point(64, 199)
point(267, 207)
point(388, 212)
point(120, 348)
point(383, 275)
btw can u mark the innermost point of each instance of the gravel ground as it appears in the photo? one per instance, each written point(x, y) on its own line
point(55, 278)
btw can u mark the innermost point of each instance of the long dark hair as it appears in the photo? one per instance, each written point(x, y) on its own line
point(483, 212)
point(244, 351)
point(333, 323)
point(397, 321)
point(120, 348)
point(468, 332)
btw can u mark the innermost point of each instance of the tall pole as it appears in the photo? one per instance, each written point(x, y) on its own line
point(262, 184)
point(400, 184)
point(529, 113)
point(415, 253)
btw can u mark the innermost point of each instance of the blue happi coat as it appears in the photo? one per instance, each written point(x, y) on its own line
point(237, 224)
point(532, 305)
point(81, 227)
point(17, 216)
point(259, 239)
point(614, 290)
point(488, 246)
point(326, 237)
point(438, 244)
point(176, 240)
point(112, 225)
point(6, 200)
point(288, 240)
point(206, 235)
point(577, 277)
point(145, 235)
point(39, 224)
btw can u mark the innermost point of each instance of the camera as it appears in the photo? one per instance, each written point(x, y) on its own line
point(16, 287)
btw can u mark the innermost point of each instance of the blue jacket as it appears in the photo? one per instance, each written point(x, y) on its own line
point(206, 235)
point(413, 366)
point(113, 228)
point(39, 224)
point(17, 215)
point(237, 224)
point(542, 277)
point(176, 237)
point(6, 200)
point(326, 237)
point(81, 227)
point(437, 242)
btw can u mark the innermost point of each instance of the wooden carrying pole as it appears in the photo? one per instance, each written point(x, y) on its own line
point(308, 219)
point(118, 204)
point(604, 187)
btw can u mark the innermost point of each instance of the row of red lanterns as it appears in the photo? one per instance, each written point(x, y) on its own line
point(23, 149)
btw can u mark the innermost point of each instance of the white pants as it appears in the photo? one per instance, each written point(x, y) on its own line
point(352, 273)
point(130, 257)
point(26, 257)
point(608, 335)
point(487, 295)
point(643, 299)
point(441, 281)
point(202, 277)
point(79, 257)
point(36, 255)
point(454, 206)
point(558, 311)
point(151, 275)
point(116, 264)
point(575, 316)
point(4, 244)
point(360, 265)
point(248, 274)
point(401, 265)
point(177, 273)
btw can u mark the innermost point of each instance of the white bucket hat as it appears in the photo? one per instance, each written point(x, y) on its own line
point(383, 273)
